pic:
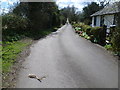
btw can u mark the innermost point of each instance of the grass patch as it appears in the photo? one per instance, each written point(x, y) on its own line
point(0, 57)
point(12, 46)
point(10, 52)
point(108, 47)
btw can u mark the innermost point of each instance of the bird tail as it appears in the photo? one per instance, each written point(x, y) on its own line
point(39, 79)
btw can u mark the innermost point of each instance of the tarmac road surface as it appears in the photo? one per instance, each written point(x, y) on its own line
point(68, 61)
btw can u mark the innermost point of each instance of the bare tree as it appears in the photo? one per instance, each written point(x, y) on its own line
point(104, 3)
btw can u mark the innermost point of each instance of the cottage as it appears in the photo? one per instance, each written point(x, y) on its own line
point(106, 16)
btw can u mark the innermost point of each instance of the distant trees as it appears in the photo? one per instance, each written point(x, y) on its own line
point(104, 3)
point(21, 9)
point(69, 12)
point(43, 15)
point(14, 22)
point(39, 14)
point(30, 19)
point(89, 10)
point(46, 15)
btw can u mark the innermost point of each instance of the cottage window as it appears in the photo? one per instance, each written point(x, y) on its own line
point(95, 20)
point(114, 20)
point(102, 21)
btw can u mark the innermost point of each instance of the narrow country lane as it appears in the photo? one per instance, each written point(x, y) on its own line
point(68, 61)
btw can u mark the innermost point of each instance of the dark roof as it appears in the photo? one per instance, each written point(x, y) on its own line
point(110, 9)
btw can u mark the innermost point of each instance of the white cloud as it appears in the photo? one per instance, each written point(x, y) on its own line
point(4, 0)
point(77, 3)
point(5, 4)
point(4, 11)
point(10, 2)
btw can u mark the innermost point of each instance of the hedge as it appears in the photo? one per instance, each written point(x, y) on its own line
point(96, 34)
point(115, 40)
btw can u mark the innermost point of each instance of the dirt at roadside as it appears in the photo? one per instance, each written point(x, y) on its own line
point(10, 78)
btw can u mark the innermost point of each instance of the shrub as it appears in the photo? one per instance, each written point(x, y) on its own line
point(99, 34)
point(116, 40)
point(78, 25)
point(116, 35)
point(95, 34)
point(108, 47)
point(14, 27)
point(14, 22)
point(87, 29)
point(77, 28)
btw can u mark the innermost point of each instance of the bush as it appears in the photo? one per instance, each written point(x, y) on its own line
point(95, 31)
point(95, 34)
point(77, 28)
point(78, 25)
point(116, 35)
point(116, 40)
point(87, 29)
point(99, 34)
point(82, 27)
point(14, 22)
point(13, 27)
point(108, 47)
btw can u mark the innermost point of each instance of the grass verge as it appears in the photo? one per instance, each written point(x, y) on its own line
point(10, 52)
point(0, 63)
point(13, 45)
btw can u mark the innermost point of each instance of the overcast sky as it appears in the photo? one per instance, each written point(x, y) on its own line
point(61, 3)
point(77, 3)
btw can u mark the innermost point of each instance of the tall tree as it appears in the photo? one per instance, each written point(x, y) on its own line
point(89, 10)
point(69, 12)
point(40, 14)
point(104, 3)
point(21, 9)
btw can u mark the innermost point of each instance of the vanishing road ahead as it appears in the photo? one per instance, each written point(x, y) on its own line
point(68, 61)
